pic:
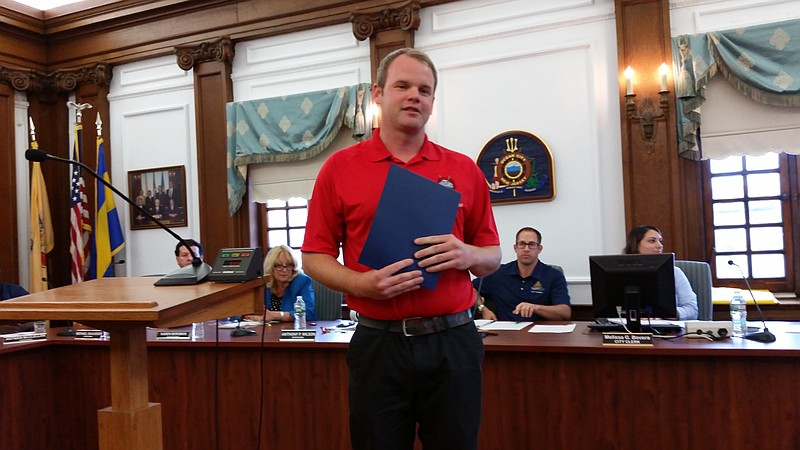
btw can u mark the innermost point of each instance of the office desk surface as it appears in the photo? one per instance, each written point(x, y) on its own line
point(135, 300)
point(549, 391)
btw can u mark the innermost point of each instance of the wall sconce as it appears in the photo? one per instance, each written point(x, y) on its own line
point(646, 113)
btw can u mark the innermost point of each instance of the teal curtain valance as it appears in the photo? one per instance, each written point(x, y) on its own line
point(290, 128)
point(762, 62)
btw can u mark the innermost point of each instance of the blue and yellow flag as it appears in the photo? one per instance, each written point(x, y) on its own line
point(108, 239)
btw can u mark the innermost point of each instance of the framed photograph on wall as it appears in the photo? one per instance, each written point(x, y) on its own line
point(162, 193)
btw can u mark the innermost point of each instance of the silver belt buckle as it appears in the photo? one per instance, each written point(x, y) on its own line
point(405, 323)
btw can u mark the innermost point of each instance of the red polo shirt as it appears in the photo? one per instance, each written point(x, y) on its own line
point(345, 198)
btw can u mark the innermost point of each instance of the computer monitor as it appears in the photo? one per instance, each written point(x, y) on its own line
point(639, 284)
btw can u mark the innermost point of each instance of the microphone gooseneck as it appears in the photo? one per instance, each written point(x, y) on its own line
point(200, 269)
point(759, 336)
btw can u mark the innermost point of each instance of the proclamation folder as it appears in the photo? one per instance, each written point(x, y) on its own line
point(411, 206)
point(125, 307)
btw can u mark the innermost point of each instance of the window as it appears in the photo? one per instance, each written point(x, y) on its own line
point(752, 220)
point(285, 222)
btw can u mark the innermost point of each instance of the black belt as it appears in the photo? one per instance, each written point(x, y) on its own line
point(417, 326)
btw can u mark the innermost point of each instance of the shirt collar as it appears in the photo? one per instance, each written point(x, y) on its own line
point(513, 269)
point(377, 151)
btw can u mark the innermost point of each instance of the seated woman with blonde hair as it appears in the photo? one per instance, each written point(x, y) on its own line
point(284, 283)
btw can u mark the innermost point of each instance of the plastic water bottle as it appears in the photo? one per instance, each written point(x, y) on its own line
point(299, 313)
point(739, 314)
point(40, 326)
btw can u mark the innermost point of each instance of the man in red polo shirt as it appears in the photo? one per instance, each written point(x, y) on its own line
point(424, 372)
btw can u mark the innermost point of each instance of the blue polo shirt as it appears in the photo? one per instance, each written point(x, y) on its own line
point(8, 291)
point(505, 289)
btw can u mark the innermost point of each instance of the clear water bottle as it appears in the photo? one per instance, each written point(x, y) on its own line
point(299, 313)
point(739, 314)
point(198, 331)
point(40, 326)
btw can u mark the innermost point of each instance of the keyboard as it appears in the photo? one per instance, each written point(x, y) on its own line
point(660, 328)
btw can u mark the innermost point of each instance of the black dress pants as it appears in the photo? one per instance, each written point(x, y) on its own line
point(399, 383)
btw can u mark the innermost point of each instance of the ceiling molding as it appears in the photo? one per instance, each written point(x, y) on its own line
point(124, 31)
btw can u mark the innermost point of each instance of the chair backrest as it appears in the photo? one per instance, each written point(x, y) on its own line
point(699, 275)
point(328, 302)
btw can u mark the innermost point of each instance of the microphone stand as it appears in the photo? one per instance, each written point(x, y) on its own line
point(239, 331)
point(194, 274)
point(759, 336)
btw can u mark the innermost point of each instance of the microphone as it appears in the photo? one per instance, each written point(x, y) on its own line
point(759, 336)
point(193, 274)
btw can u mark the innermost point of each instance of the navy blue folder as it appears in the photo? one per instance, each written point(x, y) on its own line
point(411, 206)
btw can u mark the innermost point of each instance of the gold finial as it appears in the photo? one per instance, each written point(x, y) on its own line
point(99, 123)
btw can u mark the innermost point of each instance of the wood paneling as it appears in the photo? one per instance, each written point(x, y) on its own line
point(559, 391)
point(660, 188)
point(9, 263)
point(213, 89)
point(22, 49)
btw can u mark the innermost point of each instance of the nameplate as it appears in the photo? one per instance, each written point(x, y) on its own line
point(23, 337)
point(174, 335)
point(628, 339)
point(298, 335)
point(88, 334)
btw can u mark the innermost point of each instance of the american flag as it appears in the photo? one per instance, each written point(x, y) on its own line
point(78, 215)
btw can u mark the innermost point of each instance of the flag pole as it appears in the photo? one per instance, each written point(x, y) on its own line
point(108, 237)
point(40, 226)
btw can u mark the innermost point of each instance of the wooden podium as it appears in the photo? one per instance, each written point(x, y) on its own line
point(125, 307)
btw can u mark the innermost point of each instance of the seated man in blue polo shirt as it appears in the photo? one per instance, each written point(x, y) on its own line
point(525, 289)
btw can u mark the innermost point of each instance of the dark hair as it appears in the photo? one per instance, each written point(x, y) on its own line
point(635, 237)
point(534, 230)
point(419, 55)
point(191, 243)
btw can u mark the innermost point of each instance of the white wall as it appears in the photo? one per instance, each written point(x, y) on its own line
point(152, 125)
point(21, 140)
point(548, 68)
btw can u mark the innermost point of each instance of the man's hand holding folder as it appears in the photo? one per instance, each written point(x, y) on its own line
point(418, 229)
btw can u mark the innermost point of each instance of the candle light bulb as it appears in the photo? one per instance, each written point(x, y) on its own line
point(628, 81)
point(662, 70)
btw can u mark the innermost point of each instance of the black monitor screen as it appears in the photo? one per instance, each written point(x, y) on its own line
point(639, 284)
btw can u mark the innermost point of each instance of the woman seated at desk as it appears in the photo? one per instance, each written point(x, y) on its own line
point(284, 283)
point(646, 239)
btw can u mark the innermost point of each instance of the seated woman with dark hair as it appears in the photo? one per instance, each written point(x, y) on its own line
point(646, 239)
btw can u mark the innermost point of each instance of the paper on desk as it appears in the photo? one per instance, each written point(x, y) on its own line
point(243, 324)
point(502, 325)
point(537, 328)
